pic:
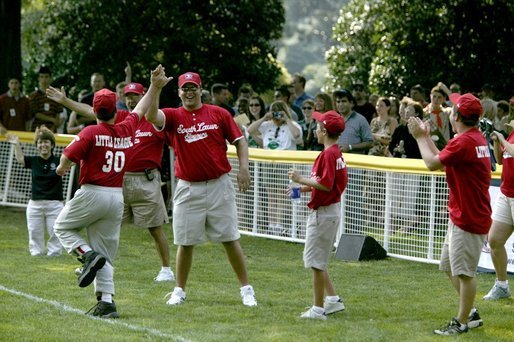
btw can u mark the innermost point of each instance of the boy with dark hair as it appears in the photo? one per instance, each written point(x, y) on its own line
point(467, 164)
point(326, 183)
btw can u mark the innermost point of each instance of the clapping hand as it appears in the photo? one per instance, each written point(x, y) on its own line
point(417, 127)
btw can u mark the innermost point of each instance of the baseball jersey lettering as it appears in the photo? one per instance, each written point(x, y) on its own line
point(483, 152)
point(205, 129)
point(108, 145)
point(147, 145)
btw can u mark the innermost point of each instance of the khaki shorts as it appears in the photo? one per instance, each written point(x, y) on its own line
point(144, 204)
point(322, 225)
point(461, 251)
point(204, 211)
point(503, 210)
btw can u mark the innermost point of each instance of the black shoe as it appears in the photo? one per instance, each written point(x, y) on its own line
point(454, 328)
point(92, 263)
point(104, 310)
point(474, 320)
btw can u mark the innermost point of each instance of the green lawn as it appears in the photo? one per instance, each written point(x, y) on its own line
point(389, 300)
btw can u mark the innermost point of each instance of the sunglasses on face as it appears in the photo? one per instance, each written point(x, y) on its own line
point(306, 108)
point(190, 89)
point(254, 105)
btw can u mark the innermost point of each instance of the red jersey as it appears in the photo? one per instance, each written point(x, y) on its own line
point(102, 152)
point(148, 145)
point(507, 185)
point(468, 173)
point(329, 169)
point(199, 141)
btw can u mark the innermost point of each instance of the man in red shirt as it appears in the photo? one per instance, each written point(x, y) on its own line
point(144, 203)
point(326, 183)
point(102, 151)
point(467, 163)
point(204, 205)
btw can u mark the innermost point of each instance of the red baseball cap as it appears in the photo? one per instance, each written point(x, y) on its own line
point(467, 104)
point(136, 88)
point(189, 77)
point(104, 98)
point(333, 122)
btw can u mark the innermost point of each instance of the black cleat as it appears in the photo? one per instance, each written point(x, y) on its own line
point(92, 261)
point(104, 310)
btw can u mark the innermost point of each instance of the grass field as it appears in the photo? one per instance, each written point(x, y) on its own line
point(389, 300)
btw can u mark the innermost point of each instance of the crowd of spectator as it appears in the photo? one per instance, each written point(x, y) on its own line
point(385, 115)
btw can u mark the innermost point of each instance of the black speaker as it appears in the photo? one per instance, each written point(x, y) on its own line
point(356, 247)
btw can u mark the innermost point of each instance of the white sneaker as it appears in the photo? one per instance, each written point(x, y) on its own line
point(248, 296)
point(165, 275)
point(177, 297)
point(313, 315)
point(333, 307)
point(497, 292)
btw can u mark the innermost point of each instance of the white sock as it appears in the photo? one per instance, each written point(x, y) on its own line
point(246, 287)
point(165, 268)
point(332, 299)
point(318, 310)
point(106, 297)
point(83, 249)
point(502, 283)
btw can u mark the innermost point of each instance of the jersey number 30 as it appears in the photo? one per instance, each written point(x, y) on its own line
point(114, 161)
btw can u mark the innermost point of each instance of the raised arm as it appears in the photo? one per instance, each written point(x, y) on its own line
point(150, 102)
point(59, 96)
point(18, 152)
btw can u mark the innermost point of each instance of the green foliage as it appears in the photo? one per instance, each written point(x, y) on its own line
point(224, 40)
point(388, 300)
point(393, 45)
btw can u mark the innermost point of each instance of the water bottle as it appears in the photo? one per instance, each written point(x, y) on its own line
point(295, 191)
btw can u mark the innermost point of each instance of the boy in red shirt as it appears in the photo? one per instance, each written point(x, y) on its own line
point(467, 163)
point(326, 183)
point(103, 151)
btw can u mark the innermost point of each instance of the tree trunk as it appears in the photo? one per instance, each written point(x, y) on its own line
point(10, 42)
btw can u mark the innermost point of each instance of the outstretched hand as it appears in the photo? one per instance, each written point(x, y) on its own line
point(158, 77)
point(56, 95)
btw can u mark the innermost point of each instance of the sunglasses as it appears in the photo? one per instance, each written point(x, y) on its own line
point(254, 105)
point(307, 108)
point(190, 89)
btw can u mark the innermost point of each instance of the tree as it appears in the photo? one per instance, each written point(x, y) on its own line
point(10, 53)
point(393, 45)
point(224, 40)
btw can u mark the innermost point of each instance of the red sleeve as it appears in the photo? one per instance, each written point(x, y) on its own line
point(79, 146)
point(329, 170)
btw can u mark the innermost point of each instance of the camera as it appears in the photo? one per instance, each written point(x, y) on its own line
point(486, 126)
point(276, 115)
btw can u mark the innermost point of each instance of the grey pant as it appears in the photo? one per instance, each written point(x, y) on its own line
point(99, 210)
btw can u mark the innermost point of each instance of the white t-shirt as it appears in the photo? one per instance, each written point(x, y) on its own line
point(279, 138)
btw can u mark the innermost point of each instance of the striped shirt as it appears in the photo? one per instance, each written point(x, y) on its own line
point(39, 103)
